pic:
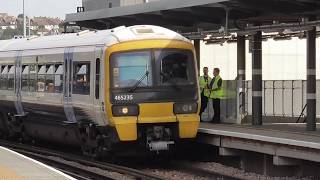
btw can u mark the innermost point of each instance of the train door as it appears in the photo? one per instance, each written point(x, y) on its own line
point(82, 79)
point(67, 86)
point(99, 86)
point(17, 85)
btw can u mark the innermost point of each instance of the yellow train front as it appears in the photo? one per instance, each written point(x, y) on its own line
point(152, 94)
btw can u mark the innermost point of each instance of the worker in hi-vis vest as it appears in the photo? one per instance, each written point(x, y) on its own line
point(204, 82)
point(216, 94)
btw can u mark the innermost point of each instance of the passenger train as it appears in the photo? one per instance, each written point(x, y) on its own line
point(101, 90)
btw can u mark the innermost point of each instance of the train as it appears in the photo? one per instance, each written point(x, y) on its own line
point(101, 90)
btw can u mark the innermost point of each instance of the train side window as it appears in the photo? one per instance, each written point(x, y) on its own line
point(4, 77)
point(25, 78)
point(33, 77)
point(50, 79)
point(11, 77)
point(97, 91)
point(41, 84)
point(81, 78)
point(58, 78)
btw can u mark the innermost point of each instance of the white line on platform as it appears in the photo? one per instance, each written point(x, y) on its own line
point(262, 138)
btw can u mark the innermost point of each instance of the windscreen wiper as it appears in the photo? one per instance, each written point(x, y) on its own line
point(139, 82)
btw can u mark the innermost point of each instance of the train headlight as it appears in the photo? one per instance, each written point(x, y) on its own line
point(125, 110)
point(129, 110)
point(185, 108)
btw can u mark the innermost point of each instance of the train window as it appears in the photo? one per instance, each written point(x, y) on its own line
point(58, 78)
point(25, 78)
point(11, 77)
point(81, 78)
point(33, 77)
point(97, 78)
point(176, 67)
point(41, 83)
point(4, 77)
point(50, 79)
point(130, 68)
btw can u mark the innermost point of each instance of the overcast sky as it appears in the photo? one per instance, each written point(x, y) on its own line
point(52, 8)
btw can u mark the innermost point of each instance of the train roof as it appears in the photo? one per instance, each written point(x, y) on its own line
point(90, 38)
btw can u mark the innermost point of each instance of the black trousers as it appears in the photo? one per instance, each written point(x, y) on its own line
point(216, 110)
point(204, 103)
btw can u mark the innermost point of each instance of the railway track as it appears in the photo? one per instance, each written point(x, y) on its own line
point(81, 167)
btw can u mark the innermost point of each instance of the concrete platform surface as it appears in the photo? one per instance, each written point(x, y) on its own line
point(281, 133)
point(19, 167)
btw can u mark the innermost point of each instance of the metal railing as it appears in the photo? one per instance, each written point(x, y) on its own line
point(285, 98)
point(280, 98)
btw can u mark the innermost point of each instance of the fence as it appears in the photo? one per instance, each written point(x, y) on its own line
point(280, 98)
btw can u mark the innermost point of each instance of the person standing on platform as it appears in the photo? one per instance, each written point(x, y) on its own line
point(204, 82)
point(216, 94)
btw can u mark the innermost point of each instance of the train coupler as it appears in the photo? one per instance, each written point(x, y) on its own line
point(159, 145)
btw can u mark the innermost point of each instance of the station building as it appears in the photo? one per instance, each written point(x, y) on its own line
point(267, 50)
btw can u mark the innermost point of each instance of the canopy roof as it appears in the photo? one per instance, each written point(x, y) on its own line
point(196, 15)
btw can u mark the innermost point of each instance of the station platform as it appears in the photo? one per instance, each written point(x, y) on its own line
point(19, 167)
point(289, 140)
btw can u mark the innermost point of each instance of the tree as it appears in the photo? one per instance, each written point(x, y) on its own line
point(20, 16)
point(9, 33)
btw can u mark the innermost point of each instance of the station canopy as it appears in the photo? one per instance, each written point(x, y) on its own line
point(196, 16)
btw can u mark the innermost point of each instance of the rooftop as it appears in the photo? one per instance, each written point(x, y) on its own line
point(200, 15)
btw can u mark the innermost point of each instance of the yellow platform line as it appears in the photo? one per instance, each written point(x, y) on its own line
point(9, 174)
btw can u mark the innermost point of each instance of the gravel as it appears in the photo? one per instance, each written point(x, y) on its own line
point(234, 172)
point(115, 175)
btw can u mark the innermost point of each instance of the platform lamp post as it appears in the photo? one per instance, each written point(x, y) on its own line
point(24, 22)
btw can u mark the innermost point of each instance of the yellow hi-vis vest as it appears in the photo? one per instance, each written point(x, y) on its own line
point(203, 84)
point(216, 94)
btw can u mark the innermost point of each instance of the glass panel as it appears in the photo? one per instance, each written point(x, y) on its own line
point(129, 68)
point(58, 78)
point(59, 70)
point(33, 78)
point(5, 70)
point(176, 67)
point(41, 83)
point(81, 78)
point(42, 70)
point(11, 78)
point(50, 69)
point(50, 79)
point(25, 78)
point(4, 78)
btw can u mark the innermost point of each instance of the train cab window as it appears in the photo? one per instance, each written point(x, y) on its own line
point(176, 67)
point(131, 68)
point(58, 78)
point(41, 84)
point(81, 78)
point(4, 77)
point(25, 78)
point(33, 77)
point(50, 79)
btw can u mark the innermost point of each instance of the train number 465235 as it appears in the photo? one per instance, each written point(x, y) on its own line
point(125, 97)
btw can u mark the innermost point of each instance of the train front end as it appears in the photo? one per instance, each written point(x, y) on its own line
point(152, 95)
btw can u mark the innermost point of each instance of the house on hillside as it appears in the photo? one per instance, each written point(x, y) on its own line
point(45, 25)
point(7, 22)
